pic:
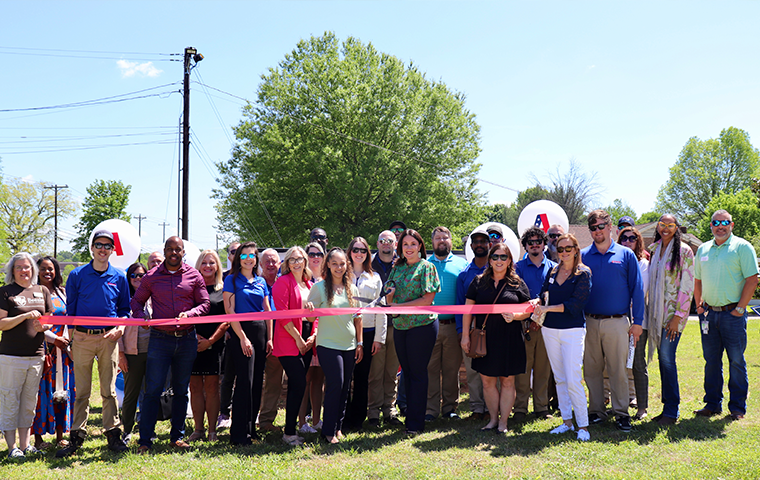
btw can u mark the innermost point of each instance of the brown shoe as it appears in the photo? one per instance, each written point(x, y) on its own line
point(544, 415)
point(143, 450)
point(180, 445)
point(664, 421)
point(736, 416)
point(269, 428)
point(705, 412)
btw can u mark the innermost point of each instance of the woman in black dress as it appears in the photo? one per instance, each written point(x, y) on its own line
point(204, 381)
point(505, 355)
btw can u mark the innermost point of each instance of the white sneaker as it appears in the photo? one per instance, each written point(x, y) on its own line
point(318, 426)
point(223, 422)
point(307, 429)
point(583, 435)
point(562, 429)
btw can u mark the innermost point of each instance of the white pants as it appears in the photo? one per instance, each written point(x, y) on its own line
point(565, 350)
point(19, 385)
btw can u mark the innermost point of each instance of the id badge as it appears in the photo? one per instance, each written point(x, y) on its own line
point(705, 325)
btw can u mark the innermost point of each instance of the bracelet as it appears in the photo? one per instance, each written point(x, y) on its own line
point(360, 344)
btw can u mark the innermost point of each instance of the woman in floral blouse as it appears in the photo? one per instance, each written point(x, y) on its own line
point(671, 286)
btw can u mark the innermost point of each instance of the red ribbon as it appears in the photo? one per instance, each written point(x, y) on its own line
point(318, 312)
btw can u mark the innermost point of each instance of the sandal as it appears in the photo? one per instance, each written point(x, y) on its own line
point(212, 437)
point(196, 435)
point(63, 443)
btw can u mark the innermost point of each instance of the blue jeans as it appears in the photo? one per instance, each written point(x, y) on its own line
point(729, 333)
point(414, 348)
point(164, 352)
point(671, 396)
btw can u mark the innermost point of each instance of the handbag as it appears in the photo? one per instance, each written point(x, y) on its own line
point(478, 347)
point(165, 404)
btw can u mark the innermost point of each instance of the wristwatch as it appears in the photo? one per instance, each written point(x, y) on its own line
point(359, 344)
point(740, 309)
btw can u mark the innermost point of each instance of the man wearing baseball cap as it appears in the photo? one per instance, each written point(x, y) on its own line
point(96, 290)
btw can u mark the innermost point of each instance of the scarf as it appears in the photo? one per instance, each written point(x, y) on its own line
point(657, 304)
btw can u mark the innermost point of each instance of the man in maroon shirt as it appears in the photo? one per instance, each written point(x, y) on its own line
point(177, 291)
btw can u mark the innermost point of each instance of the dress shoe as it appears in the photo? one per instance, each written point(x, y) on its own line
point(518, 417)
point(736, 416)
point(665, 421)
point(705, 412)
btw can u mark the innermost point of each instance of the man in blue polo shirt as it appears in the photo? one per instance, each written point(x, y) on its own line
point(96, 290)
point(533, 269)
point(617, 290)
point(479, 243)
point(443, 369)
point(725, 272)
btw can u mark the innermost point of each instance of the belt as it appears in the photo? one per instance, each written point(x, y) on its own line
point(599, 317)
point(446, 321)
point(94, 331)
point(175, 333)
point(724, 308)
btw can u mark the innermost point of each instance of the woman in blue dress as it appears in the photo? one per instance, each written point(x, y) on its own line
point(54, 411)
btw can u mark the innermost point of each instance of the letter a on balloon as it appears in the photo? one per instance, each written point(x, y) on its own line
point(542, 222)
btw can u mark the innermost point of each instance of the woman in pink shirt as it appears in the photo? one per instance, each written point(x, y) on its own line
point(290, 292)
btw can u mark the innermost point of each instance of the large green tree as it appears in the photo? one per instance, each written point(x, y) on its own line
point(744, 211)
point(706, 168)
point(348, 139)
point(620, 208)
point(27, 216)
point(106, 199)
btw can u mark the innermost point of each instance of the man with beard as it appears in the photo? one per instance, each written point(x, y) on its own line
point(443, 368)
point(273, 374)
point(725, 273)
point(533, 270)
point(382, 372)
point(617, 290)
point(177, 291)
point(552, 235)
point(479, 242)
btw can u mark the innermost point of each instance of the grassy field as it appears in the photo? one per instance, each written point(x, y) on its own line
point(694, 448)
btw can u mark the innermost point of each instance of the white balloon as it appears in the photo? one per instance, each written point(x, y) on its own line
point(191, 253)
point(542, 214)
point(509, 238)
point(126, 241)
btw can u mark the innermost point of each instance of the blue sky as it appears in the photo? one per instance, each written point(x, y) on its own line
point(619, 86)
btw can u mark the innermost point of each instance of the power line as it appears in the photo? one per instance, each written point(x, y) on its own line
point(90, 51)
point(55, 149)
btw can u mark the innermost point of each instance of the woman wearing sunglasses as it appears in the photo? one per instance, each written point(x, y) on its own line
point(505, 355)
point(374, 325)
point(568, 286)
point(245, 292)
point(631, 238)
point(671, 286)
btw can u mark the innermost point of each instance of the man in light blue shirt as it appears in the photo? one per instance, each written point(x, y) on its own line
point(617, 290)
point(443, 369)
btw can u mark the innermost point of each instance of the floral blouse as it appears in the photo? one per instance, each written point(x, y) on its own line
point(679, 283)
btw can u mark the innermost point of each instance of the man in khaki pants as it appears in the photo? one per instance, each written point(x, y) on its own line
point(96, 290)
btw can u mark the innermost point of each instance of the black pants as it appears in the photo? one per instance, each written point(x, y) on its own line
point(356, 410)
point(414, 348)
point(228, 377)
point(338, 366)
point(133, 383)
point(295, 368)
point(250, 381)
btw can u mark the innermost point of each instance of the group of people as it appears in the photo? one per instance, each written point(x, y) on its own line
point(595, 314)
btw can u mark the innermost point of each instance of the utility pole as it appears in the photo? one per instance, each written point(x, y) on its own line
point(55, 237)
point(139, 219)
point(164, 225)
point(192, 57)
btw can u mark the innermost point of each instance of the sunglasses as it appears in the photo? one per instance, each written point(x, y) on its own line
point(398, 230)
point(494, 236)
point(385, 241)
point(568, 248)
point(554, 235)
point(628, 238)
point(136, 275)
point(500, 256)
point(319, 237)
point(244, 256)
point(666, 225)
point(620, 227)
point(316, 254)
point(600, 226)
point(296, 260)
point(717, 223)
point(100, 246)
point(232, 252)
point(535, 242)
point(359, 250)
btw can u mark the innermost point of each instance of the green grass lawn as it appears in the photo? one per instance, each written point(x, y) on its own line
point(694, 448)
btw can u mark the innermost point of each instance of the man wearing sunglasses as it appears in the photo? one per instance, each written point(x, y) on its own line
point(443, 368)
point(617, 290)
point(320, 236)
point(725, 272)
point(552, 235)
point(397, 227)
point(533, 270)
point(96, 290)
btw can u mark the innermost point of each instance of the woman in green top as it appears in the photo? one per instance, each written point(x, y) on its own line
point(414, 282)
point(339, 339)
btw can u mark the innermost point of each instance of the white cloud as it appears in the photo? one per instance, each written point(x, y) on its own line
point(130, 69)
point(28, 179)
point(591, 67)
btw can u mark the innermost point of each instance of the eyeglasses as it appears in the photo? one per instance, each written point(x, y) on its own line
point(319, 237)
point(666, 225)
point(494, 236)
point(232, 252)
point(136, 275)
point(535, 242)
point(296, 260)
point(568, 248)
point(244, 256)
point(499, 256)
point(554, 235)
point(599, 226)
point(628, 238)
point(717, 223)
point(385, 241)
point(99, 246)
point(316, 254)
point(359, 250)
point(398, 230)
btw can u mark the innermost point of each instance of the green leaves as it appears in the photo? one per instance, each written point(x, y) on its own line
point(106, 199)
